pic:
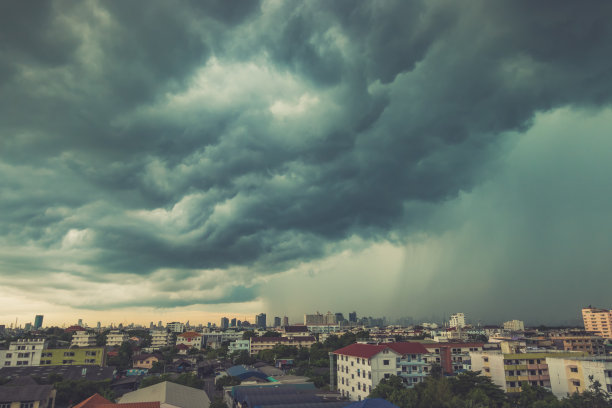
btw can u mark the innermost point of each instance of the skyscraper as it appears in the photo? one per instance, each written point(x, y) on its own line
point(353, 317)
point(285, 321)
point(38, 320)
point(233, 322)
point(224, 322)
point(260, 321)
point(277, 321)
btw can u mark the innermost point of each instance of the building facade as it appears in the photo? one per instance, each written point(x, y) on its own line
point(116, 338)
point(191, 339)
point(239, 345)
point(457, 320)
point(514, 325)
point(598, 321)
point(510, 370)
point(360, 367)
point(83, 339)
point(594, 345)
point(267, 343)
point(452, 357)
point(23, 353)
point(570, 375)
point(159, 339)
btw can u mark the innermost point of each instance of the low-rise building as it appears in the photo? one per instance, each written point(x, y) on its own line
point(116, 338)
point(594, 345)
point(23, 353)
point(266, 343)
point(570, 375)
point(452, 357)
point(514, 325)
point(510, 370)
point(238, 346)
point(360, 367)
point(159, 339)
point(25, 392)
point(145, 361)
point(83, 339)
point(73, 356)
point(191, 339)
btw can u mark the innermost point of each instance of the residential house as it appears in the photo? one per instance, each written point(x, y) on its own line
point(24, 392)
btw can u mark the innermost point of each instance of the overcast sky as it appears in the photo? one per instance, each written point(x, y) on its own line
point(186, 160)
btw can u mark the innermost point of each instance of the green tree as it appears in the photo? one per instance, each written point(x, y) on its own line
point(218, 403)
point(248, 334)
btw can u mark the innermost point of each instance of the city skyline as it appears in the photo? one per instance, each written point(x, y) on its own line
point(398, 158)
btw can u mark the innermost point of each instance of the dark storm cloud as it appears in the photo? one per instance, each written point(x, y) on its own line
point(198, 136)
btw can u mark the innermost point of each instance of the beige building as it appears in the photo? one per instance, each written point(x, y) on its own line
point(514, 325)
point(116, 338)
point(510, 370)
point(266, 343)
point(570, 375)
point(598, 321)
point(83, 339)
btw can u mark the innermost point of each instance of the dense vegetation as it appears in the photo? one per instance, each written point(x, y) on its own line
point(470, 390)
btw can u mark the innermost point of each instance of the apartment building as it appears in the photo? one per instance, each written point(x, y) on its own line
point(266, 343)
point(457, 320)
point(510, 370)
point(191, 339)
point(452, 357)
point(23, 353)
point(598, 321)
point(83, 339)
point(570, 375)
point(159, 339)
point(514, 325)
point(73, 356)
point(175, 327)
point(360, 367)
point(116, 338)
point(594, 345)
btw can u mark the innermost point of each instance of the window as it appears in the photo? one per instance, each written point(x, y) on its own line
point(385, 362)
point(9, 355)
point(28, 404)
point(7, 363)
point(92, 353)
point(486, 359)
point(387, 375)
point(68, 353)
point(2, 405)
point(576, 383)
point(369, 375)
point(574, 369)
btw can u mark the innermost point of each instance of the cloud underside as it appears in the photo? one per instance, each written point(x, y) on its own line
point(199, 153)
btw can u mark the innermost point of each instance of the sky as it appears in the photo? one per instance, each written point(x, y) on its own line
point(191, 160)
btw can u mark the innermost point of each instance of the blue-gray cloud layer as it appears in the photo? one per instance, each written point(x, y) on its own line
point(145, 136)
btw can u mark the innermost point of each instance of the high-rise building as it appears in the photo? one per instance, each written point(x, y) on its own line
point(80, 323)
point(233, 322)
point(353, 317)
point(224, 322)
point(339, 317)
point(598, 321)
point(260, 321)
point(38, 321)
point(314, 319)
point(98, 325)
point(285, 321)
point(277, 321)
point(457, 320)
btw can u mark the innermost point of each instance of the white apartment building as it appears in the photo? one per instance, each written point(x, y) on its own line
point(23, 353)
point(570, 375)
point(360, 367)
point(159, 339)
point(175, 327)
point(239, 345)
point(83, 339)
point(514, 325)
point(457, 320)
point(116, 338)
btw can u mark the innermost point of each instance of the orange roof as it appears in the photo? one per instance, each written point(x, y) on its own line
point(93, 401)
point(98, 401)
point(190, 335)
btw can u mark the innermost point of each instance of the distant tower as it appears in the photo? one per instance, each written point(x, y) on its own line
point(224, 322)
point(38, 320)
point(80, 323)
point(353, 317)
point(277, 321)
point(285, 321)
point(260, 321)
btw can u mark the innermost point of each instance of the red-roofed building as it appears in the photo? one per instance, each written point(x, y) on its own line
point(360, 367)
point(98, 401)
point(190, 338)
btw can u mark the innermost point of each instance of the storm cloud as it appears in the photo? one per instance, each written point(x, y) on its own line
point(199, 151)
